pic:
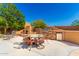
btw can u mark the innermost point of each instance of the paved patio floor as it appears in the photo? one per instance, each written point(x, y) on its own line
point(52, 48)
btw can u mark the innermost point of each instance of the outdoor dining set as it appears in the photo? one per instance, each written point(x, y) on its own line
point(34, 39)
point(29, 40)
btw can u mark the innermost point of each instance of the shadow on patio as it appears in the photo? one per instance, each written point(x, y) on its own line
point(69, 43)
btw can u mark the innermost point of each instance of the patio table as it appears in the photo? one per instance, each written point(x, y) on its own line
point(33, 39)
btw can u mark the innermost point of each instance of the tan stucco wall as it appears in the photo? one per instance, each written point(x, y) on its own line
point(71, 36)
point(68, 35)
point(58, 31)
point(19, 32)
point(27, 27)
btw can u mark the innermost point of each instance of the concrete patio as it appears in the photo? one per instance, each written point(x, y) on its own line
point(52, 48)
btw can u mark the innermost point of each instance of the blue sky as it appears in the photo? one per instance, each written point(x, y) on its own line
point(54, 14)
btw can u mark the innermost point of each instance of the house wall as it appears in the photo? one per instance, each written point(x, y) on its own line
point(27, 30)
point(57, 31)
point(71, 36)
point(47, 34)
point(50, 34)
point(67, 35)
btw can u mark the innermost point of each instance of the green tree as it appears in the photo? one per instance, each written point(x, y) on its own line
point(15, 19)
point(75, 23)
point(39, 24)
point(3, 23)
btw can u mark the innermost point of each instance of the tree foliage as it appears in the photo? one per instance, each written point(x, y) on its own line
point(39, 24)
point(12, 15)
point(75, 23)
point(2, 22)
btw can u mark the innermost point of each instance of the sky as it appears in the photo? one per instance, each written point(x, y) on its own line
point(53, 14)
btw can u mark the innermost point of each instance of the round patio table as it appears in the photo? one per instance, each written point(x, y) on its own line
point(34, 39)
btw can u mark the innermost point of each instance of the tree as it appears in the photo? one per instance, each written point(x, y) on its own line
point(39, 24)
point(75, 23)
point(14, 18)
point(3, 23)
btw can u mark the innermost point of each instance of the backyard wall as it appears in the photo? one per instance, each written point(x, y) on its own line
point(47, 34)
point(71, 36)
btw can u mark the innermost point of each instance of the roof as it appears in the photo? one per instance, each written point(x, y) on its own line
point(64, 27)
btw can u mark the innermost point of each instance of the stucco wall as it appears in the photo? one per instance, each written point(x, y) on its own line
point(71, 36)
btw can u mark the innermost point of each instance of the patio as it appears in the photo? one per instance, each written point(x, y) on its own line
point(52, 48)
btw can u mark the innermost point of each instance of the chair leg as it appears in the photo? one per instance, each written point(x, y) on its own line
point(30, 47)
